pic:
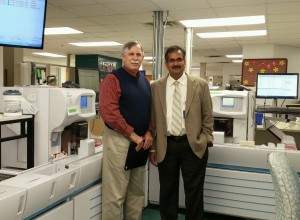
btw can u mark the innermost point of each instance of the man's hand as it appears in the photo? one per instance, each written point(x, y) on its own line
point(147, 140)
point(138, 140)
point(210, 144)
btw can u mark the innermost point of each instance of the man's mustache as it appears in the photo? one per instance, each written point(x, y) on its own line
point(176, 67)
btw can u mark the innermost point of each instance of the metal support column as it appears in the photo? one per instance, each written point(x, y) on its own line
point(203, 71)
point(158, 33)
point(188, 48)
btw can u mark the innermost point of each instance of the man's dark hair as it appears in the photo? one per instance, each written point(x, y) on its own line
point(173, 49)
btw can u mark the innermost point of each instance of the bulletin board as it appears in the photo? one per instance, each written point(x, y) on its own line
point(253, 66)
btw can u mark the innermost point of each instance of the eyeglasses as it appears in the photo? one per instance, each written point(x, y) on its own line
point(178, 60)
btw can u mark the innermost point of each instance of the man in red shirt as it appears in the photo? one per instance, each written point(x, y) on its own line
point(125, 106)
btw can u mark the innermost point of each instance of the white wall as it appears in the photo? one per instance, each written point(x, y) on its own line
point(293, 56)
point(258, 51)
point(209, 72)
point(48, 60)
point(231, 70)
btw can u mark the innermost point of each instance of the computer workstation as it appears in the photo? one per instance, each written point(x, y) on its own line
point(277, 86)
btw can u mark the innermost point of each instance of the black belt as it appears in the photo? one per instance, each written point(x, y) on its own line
point(177, 138)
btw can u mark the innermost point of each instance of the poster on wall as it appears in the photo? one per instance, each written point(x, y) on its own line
point(106, 66)
point(251, 67)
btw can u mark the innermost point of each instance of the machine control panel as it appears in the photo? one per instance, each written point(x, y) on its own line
point(231, 104)
point(86, 104)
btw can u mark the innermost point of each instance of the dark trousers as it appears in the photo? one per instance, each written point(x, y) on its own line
point(180, 156)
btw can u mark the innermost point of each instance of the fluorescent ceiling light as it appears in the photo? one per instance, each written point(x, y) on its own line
point(148, 58)
point(237, 61)
point(61, 30)
point(217, 22)
point(232, 34)
point(96, 44)
point(234, 56)
point(49, 54)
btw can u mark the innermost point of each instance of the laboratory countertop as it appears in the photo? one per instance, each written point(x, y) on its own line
point(2, 118)
point(284, 126)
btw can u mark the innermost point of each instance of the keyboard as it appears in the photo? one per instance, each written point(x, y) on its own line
point(278, 110)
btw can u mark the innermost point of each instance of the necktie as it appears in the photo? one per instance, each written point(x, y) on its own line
point(176, 110)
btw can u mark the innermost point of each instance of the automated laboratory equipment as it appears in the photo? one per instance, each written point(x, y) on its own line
point(233, 113)
point(54, 109)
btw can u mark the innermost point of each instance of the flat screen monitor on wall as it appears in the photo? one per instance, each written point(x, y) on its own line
point(22, 23)
point(277, 85)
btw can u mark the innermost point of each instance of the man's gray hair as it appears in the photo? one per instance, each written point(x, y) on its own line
point(130, 44)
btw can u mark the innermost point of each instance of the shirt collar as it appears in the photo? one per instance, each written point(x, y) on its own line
point(136, 75)
point(181, 80)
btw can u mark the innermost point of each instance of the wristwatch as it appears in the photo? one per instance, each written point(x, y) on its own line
point(210, 144)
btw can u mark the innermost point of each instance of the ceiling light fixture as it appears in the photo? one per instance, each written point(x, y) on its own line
point(61, 30)
point(96, 44)
point(232, 34)
point(148, 58)
point(237, 61)
point(234, 56)
point(49, 54)
point(230, 21)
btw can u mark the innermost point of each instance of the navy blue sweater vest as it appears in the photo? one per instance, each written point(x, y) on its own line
point(135, 100)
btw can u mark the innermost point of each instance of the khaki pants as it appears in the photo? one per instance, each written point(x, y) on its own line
point(122, 191)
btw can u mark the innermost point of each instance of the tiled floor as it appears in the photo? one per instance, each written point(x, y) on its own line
point(152, 213)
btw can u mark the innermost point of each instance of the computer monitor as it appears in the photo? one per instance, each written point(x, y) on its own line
point(277, 85)
point(22, 23)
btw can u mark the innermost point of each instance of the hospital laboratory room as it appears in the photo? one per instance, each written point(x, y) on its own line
point(149, 110)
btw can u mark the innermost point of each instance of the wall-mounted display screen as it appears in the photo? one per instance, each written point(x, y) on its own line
point(22, 23)
point(277, 85)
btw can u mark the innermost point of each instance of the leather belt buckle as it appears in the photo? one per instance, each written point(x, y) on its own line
point(178, 138)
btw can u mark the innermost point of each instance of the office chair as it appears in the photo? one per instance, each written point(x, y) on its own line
point(287, 187)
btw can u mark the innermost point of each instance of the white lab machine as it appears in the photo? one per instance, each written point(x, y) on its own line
point(233, 113)
point(38, 193)
point(54, 109)
point(49, 190)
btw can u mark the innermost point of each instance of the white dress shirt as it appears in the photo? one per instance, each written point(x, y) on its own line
point(170, 88)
